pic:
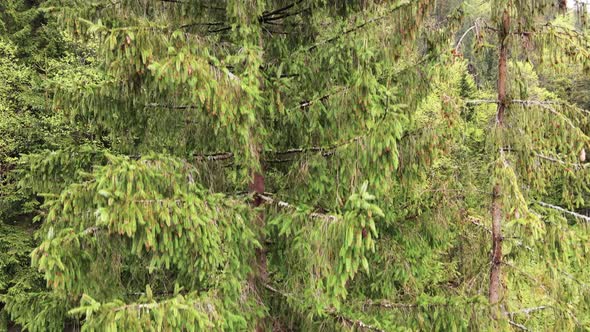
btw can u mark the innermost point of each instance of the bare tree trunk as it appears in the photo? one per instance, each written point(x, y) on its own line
point(495, 291)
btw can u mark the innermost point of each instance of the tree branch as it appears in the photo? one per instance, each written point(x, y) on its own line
point(559, 208)
point(357, 322)
point(527, 311)
point(520, 326)
point(333, 313)
point(313, 215)
point(474, 26)
point(282, 9)
point(360, 26)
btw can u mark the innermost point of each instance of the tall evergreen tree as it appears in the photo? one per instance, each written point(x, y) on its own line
point(34, 57)
point(537, 152)
point(308, 165)
point(324, 111)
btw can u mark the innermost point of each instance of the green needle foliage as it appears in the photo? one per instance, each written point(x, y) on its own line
point(305, 165)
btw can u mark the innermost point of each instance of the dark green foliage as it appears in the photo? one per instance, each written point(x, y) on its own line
point(33, 58)
point(131, 131)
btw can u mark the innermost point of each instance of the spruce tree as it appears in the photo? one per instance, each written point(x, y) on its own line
point(536, 148)
point(266, 162)
point(311, 165)
point(34, 55)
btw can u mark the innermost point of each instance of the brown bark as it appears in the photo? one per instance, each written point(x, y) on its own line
point(260, 275)
point(257, 187)
point(562, 5)
point(495, 289)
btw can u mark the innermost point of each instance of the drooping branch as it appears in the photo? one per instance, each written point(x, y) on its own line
point(562, 162)
point(271, 19)
point(266, 17)
point(311, 101)
point(555, 160)
point(475, 27)
point(544, 104)
point(325, 151)
point(540, 284)
point(361, 26)
point(390, 305)
point(559, 208)
point(207, 24)
point(186, 2)
point(332, 312)
point(547, 106)
point(271, 156)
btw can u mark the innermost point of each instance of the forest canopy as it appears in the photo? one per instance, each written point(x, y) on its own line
point(294, 165)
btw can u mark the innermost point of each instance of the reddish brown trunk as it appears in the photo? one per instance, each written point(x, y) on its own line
point(562, 5)
point(260, 275)
point(257, 186)
point(495, 291)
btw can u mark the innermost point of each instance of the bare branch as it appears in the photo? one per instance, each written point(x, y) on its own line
point(215, 156)
point(546, 105)
point(474, 26)
point(559, 161)
point(389, 305)
point(314, 215)
point(527, 311)
point(481, 101)
point(358, 323)
point(520, 326)
point(559, 208)
point(282, 9)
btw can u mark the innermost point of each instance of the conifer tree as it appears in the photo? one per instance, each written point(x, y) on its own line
point(311, 165)
point(538, 147)
point(258, 151)
point(34, 55)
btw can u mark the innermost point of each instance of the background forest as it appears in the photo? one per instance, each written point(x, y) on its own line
point(294, 165)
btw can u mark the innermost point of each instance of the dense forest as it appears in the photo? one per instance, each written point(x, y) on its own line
point(294, 165)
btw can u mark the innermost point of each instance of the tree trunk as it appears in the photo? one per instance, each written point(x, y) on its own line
point(496, 263)
point(495, 291)
point(562, 5)
point(257, 186)
point(260, 274)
